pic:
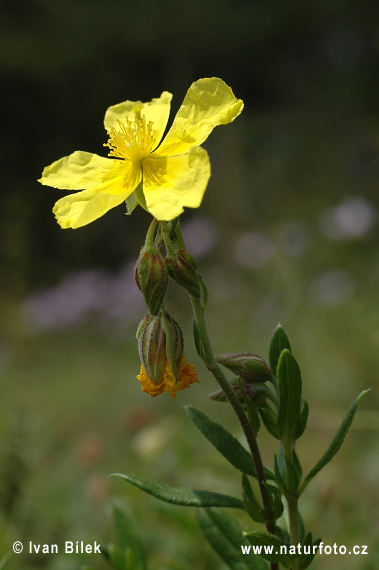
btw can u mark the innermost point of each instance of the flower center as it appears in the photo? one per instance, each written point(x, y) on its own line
point(131, 140)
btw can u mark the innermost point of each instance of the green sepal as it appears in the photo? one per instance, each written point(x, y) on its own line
point(279, 342)
point(252, 412)
point(261, 538)
point(270, 420)
point(224, 442)
point(224, 535)
point(289, 379)
point(302, 420)
point(252, 506)
point(197, 339)
point(182, 495)
point(337, 441)
point(204, 291)
point(131, 204)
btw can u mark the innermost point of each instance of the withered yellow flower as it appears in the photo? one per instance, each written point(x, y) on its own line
point(187, 375)
point(164, 178)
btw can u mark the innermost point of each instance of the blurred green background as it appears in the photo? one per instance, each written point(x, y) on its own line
point(288, 231)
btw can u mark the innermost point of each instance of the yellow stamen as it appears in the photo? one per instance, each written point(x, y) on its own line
point(132, 140)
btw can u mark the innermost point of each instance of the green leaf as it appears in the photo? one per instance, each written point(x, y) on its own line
point(337, 440)
point(279, 342)
point(276, 500)
point(290, 476)
point(306, 559)
point(182, 495)
point(289, 379)
point(270, 420)
point(252, 412)
point(224, 442)
point(252, 506)
point(302, 421)
point(127, 542)
point(224, 534)
point(270, 547)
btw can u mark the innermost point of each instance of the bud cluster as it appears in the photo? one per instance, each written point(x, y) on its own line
point(251, 374)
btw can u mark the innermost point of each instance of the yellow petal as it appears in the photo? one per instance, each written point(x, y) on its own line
point(81, 170)
point(187, 376)
point(81, 208)
point(157, 111)
point(207, 104)
point(170, 184)
point(148, 386)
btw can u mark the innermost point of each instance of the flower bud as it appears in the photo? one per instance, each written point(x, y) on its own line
point(182, 269)
point(258, 393)
point(152, 347)
point(151, 277)
point(163, 364)
point(174, 342)
point(248, 366)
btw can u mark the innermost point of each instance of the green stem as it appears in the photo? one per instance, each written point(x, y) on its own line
point(213, 366)
point(293, 517)
point(150, 233)
point(292, 502)
point(215, 369)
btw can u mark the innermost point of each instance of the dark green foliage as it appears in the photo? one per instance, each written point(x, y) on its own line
point(279, 342)
point(225, 536)
point(337, 440)
point(182, 495)
point(223, 441)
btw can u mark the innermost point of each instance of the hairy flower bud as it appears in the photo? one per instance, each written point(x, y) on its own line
point(174, 342)
point(248, 366)
point(182, 269)
point(258, 393)
point(151, 277)
point(163, 364)
point(152, 347)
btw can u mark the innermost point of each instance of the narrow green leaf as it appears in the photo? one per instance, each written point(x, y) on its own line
point(224, 534)
point(306, 559)
point(182, 495)
point(252, 412)
point(290, 476)
point(279, 342)
point(224, 442)
point(276, 500)
point(270, 420)
point(252, 506)
point(273, 545)
point(289, 379)
point(302, 421)
point(337, 440)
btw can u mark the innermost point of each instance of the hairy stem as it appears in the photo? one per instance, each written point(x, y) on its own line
point(213, 366)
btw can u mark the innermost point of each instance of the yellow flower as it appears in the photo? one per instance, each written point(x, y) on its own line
point(163, 179)
point(187, 375)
